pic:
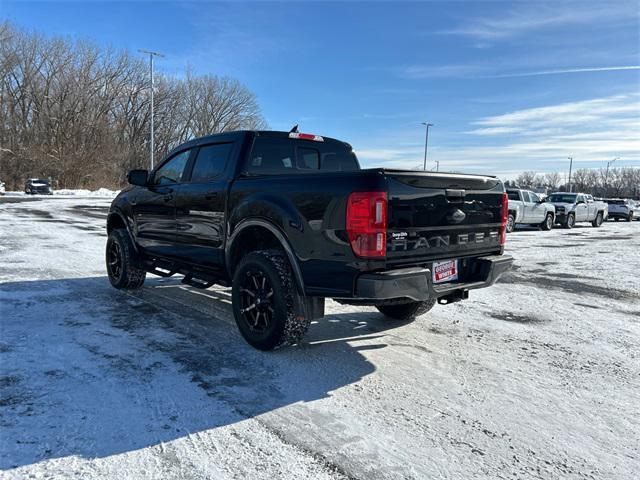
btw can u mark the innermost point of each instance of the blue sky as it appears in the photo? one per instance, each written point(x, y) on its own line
point(510, 86)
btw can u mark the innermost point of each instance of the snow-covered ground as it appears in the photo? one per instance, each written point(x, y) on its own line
point(536, 377)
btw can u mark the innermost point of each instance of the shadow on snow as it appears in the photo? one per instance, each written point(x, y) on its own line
point(90, 371)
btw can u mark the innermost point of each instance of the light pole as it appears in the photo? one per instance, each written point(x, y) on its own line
point(606, 176)
point(570, 166)
point(151, 55)
point(426, 143)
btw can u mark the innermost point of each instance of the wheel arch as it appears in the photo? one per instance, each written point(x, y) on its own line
point(116, 219)
point(255, 234)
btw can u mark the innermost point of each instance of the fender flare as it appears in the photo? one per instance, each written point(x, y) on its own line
point(258, 222)
point(117, 213)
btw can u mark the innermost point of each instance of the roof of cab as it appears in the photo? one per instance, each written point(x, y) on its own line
point(237, 134)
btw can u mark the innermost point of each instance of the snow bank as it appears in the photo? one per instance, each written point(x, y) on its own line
point(101, 192)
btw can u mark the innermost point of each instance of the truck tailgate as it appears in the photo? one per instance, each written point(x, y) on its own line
point(440, 216)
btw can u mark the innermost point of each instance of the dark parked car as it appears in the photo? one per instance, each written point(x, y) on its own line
point(35, 186)
point(289, 219)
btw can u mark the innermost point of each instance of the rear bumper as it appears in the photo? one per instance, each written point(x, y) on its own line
point(416, 283)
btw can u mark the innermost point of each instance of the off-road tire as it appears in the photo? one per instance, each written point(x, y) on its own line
point(406, 311)
point(547, 224)
point(131, 274)
point(511, 223)
point(285, 327)
point(570, 222)
point(598, 220)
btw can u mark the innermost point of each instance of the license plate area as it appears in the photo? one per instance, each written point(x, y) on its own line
point(444, 271)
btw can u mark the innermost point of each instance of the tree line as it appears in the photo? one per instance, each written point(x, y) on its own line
point(616, 182)
point(79, 114)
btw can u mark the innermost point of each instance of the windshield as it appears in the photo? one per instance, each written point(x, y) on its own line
point(562, 198)
point(37, 180)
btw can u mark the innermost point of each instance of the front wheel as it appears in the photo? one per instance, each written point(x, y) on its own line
point(548, 222)
point(123, 264)
point(406, 311)
point(263, 297)
point(598, 220)
point(571, 221)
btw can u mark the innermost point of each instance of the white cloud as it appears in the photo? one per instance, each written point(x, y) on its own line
point(591, 131)
point(525, 18)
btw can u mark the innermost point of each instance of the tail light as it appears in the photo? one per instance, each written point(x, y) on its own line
point(367, 223)
point(505, 216)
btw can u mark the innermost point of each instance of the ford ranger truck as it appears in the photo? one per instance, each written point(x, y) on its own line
point(572, 208)
point(527, 207)
point(288, 219)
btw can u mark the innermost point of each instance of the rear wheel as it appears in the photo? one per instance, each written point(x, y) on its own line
point(548, 222)
point(123, 263)
point(263, 297)
point(570, 222)
point(406, 311)
point(598, 220)
point(511, 223)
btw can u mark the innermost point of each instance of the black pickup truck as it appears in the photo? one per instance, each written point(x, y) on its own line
point(289, 219)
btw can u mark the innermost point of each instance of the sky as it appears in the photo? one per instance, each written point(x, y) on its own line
point(508, 86)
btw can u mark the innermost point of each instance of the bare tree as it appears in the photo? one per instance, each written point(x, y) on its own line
point(80, 114)
point(552, 180)
point(527, 179)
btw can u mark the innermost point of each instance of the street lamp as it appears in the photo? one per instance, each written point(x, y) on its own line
point(606, 176)
point(426, 143)
point(570, 166)
point(151, 55)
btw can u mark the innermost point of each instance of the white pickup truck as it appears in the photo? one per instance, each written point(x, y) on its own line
point(528, 207)
point(572, 208)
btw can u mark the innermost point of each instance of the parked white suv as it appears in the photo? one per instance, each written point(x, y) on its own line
point(572, 208)
point(621, 208)
point(530, 208)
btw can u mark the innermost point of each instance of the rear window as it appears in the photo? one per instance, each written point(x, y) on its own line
point(272, 156)
point(562, 198)
point(513, 195)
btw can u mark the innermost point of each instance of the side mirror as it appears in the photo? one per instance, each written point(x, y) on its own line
point(138, 177)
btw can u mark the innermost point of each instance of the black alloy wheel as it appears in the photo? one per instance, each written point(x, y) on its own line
point(114, 260)
point(256, 301)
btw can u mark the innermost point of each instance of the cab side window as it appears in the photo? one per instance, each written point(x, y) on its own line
point(525, 196)
point(172, 171)
point(210, 161)
point(534, 197)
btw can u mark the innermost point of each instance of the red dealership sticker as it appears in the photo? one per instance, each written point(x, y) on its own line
point(445, 271)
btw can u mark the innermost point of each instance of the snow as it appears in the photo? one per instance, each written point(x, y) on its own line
point(536, 377)
point(101, 192)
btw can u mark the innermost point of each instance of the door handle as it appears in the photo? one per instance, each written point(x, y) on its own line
point(210, 195)
point(168, 197)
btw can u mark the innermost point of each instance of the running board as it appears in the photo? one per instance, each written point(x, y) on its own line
point(192, 281)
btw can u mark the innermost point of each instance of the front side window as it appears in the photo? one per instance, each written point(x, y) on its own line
point(210, 161)
point(525, 196)
point(534, 197)
point(172, 170)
